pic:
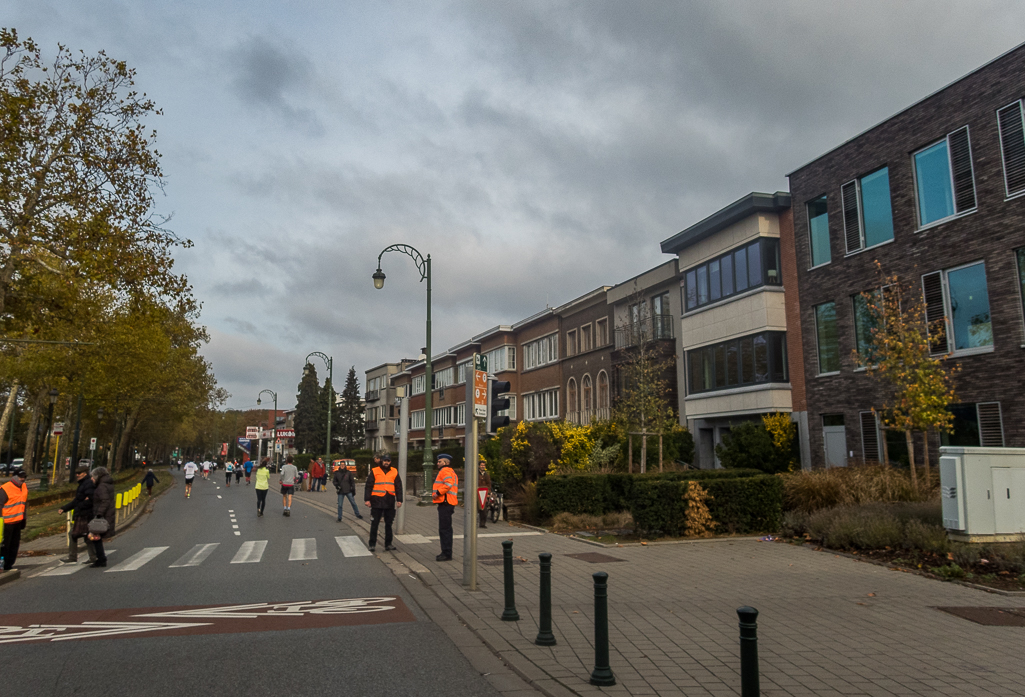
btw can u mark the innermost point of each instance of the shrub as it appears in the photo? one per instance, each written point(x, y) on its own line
point(576, 494)
point(965, 555)
point(858, 528)
point(738, 505)
point(699, 521)
point(566, 522)
point(929, 538)
point(949, 571)
point(658, 508)
point(795, 523)
point(845, 486)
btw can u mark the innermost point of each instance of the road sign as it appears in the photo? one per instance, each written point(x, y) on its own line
point(253, 432)
point(480, 386)
point(58, 428)
point(92, 444)
point(266, 433)
point(286, 433)
point(482, 496)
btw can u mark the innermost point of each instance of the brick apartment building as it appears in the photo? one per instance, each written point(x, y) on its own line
point(936, 194)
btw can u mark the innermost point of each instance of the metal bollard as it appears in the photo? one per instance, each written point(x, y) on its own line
point(544, 632)
point(602, 673)
point(748, 652)
point(509, 614)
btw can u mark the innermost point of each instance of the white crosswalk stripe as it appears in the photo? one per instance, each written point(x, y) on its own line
point(303, 549)
point(139, 559)
point(250, 552)
point(196, 556)
point(68, 569)
point(352, 546)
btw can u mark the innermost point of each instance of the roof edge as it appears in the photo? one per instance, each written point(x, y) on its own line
point(755, 202)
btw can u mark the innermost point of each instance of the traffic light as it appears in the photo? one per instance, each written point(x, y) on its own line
point(497, 403)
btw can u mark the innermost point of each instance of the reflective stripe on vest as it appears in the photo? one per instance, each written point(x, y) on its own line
point(445, 486)
point(17, 496)
point(384, 482)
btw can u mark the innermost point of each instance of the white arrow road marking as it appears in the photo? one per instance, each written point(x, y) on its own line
point(352, 546)
point(86, 630)
point(250, 552)
point(196, 556)
point(345, 606)
point(303, 549)
point(138, 560)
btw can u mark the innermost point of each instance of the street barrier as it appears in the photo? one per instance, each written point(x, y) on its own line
point(749, 686)
point(544, 632)
point(509, 614)
point(117, 508)
point(602, 673)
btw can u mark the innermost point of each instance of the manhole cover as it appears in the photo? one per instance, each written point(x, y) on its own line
point(594, 557)
point(990, 616)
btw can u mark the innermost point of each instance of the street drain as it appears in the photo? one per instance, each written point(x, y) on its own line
point(594, 557)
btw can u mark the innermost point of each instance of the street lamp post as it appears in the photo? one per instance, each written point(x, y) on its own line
point(44, 483)
point(274, 423)
point(330, 398)
point(424, 267)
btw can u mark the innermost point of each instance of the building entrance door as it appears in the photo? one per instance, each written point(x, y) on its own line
point(834, 437)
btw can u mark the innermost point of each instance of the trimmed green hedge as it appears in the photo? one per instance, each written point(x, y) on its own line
point(739, 505)
point(597, 494)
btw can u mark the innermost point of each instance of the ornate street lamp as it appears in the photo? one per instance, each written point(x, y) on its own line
point(274, 425)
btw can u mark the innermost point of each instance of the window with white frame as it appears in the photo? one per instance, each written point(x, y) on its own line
point(461, 414)
point(443, 416)
point(944, 180)
point(501, 358)
point(443, 378)
point(957, 309)
point(602, 329)
point(419, 384)
point(541, 405)
point(461, 372)
point(541, 351)
point(416, 420)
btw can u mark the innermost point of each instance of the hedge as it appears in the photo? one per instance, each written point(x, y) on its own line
point(597, 494)
point(738, 505)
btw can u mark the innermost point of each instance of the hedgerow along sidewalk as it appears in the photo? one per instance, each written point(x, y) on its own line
point(829, 625)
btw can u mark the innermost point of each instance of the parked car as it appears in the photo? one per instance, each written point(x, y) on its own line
point(87, 462)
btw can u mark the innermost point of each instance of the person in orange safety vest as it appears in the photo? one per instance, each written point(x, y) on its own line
point(383, 494)
point(445, 487)
point(13, 502)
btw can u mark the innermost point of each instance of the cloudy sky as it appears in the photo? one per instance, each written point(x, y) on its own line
point(536, 150)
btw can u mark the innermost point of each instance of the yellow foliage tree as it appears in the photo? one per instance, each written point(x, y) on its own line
point(698, 519)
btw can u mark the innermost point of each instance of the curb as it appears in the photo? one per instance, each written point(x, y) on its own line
point(8, 576)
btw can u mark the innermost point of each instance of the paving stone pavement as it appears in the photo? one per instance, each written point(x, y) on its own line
point(828, 625)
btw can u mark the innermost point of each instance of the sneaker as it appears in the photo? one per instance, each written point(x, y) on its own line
point(443, 557)
point(389, 548)
point(372, 547)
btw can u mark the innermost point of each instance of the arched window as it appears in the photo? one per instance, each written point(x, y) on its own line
point(603, 396)
point(587, 403)
point(571, 402)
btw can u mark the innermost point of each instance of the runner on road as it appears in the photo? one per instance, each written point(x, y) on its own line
point(249, 470)
point(262, 485)
point(229, 472)
point(190, 474)
point(238, 472)
point(206, 469)
point(288, 478)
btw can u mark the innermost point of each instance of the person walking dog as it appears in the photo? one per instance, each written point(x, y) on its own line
point(445, 487)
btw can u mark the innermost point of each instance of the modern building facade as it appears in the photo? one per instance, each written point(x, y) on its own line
point(733, 319)
point(935, 195)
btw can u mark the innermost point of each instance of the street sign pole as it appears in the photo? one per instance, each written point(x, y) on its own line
point(400, 515)
point(474, 400)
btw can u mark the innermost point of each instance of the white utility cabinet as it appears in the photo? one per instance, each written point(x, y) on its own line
point(983, 493)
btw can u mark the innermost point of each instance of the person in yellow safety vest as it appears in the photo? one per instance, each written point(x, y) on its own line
point(13, 501)
point(445, 487)
point(383, 494)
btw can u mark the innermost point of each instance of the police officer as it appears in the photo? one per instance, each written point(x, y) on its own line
point(13, 501)
point(383, 494)
point(445, 487)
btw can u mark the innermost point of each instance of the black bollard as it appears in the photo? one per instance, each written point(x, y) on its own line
point(509, 614)
point(544, 632)
point(602, 673)
point(748, 652)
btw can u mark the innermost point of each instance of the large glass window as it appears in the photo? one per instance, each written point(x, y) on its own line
point(935, 189)
point(864, 322)
point(750, 360)
point(828, 338)
point(969, 307)
point(753, 265)
point(875, 207)
point(1021, 274)
point(818, 226)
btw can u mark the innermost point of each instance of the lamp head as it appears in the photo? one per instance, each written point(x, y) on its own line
point(53, 395)
point(258, 402)
point(378, 278)
point(99, 413)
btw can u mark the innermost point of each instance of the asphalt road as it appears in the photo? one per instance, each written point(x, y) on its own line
point(291, 640)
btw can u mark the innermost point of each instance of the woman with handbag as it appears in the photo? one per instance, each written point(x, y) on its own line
point(82, 509)
point(102, 524)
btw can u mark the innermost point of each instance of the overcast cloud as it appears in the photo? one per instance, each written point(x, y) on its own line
point(536, 150)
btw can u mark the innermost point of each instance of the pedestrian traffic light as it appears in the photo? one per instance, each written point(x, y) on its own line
point(497, 403)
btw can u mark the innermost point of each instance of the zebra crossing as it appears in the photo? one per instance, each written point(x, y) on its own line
point(250, 552)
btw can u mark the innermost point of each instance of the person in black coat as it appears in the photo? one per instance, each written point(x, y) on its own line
point(345, 485)
point(103, 507)
point(81, 508)
point(149, 480)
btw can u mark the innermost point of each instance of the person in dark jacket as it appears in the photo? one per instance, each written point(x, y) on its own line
point(383, 494)
point(483, 480)
point(345, 485)
point(103, 507)
point(81, 508)
point(149, 480)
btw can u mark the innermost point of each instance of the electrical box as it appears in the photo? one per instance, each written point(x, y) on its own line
point(982, 491)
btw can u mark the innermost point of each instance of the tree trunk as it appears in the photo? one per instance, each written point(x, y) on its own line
point(12, 401)
point(630, 454)
point(33, 426)
point(886, 449)
point(911, 459)
point(925, 458)
point(659, 452)
point(644, 452)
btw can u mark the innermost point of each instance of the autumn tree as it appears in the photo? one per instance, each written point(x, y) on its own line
point(896, 349)
point(351, 424)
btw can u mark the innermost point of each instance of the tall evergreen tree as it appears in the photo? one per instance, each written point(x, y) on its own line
point(351, 426)
point(309, 418)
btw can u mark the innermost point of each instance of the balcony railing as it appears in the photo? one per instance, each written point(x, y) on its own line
point(372, 395)
point(372, 426)
point(584, 416)
point(653, 328)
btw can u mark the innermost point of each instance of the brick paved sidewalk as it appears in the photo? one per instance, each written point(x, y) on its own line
point(829, 625)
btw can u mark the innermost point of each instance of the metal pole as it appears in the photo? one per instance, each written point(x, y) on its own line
point(428, 389)
point(544, 631)
point(277, 459)
point(602, 673)
point(76, 441)
point(749, 686)
point(509, 614)
point(330, 399)
point(234, 435)
point(470, 491)
point(400, 514)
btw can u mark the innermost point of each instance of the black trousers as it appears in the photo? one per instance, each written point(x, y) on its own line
point(11, 543)
point(375, 519)
point(261, 499)
point(445, 511)
point(482, 518)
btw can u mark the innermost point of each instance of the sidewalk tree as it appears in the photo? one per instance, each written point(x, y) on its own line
point(896, 351)
point(351, 424)
point(310, 418)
